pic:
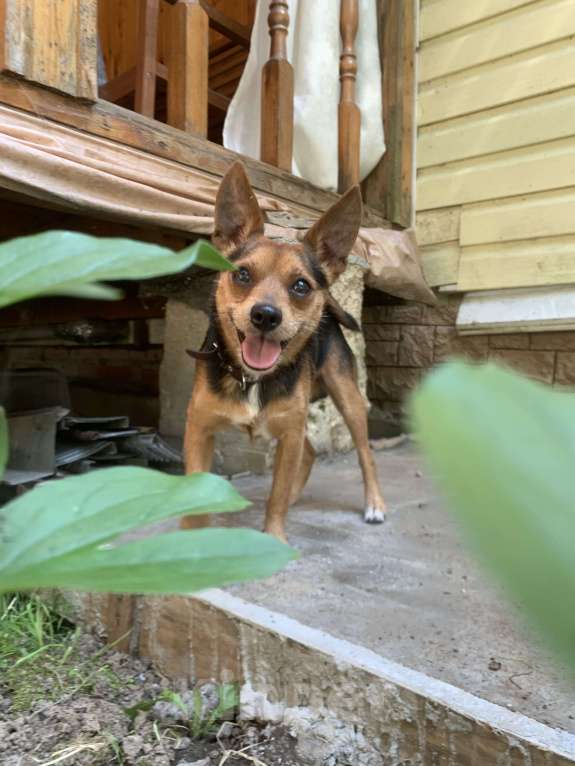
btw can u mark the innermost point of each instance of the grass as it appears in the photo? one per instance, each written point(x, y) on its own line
point(38, 654)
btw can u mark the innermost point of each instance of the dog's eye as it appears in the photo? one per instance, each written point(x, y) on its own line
point(242, 275)
point(301, 287)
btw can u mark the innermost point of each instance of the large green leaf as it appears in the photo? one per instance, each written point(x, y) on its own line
point(3, 441)
point(62, 534)
point(503, 448)
point(175, 562)
point(67, 263)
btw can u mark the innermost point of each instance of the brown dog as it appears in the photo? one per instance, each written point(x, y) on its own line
point(275, 343)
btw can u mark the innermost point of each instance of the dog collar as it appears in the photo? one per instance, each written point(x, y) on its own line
point(236, 372)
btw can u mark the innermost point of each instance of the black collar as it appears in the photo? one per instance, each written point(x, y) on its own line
point(236, 372)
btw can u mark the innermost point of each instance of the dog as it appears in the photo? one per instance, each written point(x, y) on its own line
point(275, 343)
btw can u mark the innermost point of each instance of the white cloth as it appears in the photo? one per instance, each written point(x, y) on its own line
point(314, 45)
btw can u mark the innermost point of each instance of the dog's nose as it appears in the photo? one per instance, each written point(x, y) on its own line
point(265, 317)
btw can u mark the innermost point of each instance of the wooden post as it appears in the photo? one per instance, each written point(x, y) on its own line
point(388, 188)
point(146, 63)
point(349, 117)
point(188, 67)
point(51, 43)
point(276, 146)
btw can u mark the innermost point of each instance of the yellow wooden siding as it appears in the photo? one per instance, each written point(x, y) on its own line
point(441, 16)
point(440, 263)
point(505, 174)
point(530, 121)
point(527, 263)
point(436, 226)
point(522, 29)
point(495, 194)
point(536, 215)
point(524, 75)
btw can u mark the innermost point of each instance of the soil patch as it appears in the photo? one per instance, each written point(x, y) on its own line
point(79, 703)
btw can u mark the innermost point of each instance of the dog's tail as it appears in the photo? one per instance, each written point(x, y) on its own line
point(345, 319)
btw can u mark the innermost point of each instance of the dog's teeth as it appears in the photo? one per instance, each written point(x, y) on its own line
point(373, 515)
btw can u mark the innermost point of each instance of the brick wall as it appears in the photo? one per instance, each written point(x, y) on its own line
point(403, 341)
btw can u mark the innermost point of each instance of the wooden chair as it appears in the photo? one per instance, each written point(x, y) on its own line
point(185, 74)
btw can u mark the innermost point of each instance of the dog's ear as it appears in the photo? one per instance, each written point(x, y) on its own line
point(238, 215)
point(333, 236)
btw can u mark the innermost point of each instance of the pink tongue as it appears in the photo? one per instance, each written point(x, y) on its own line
point(259, 352)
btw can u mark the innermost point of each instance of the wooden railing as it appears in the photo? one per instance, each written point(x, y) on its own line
point(189, 95)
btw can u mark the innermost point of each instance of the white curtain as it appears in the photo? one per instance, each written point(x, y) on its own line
point(314, 46)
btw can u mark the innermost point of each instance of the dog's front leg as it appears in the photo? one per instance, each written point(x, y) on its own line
point(198, 456)
point(287, 462)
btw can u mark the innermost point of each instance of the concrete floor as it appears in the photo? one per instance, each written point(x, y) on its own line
point(408, 589)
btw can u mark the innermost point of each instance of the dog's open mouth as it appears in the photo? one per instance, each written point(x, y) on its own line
point(260, 352)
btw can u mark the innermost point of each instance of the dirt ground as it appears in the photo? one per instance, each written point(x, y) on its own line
point(409, 589)
point(83, 705)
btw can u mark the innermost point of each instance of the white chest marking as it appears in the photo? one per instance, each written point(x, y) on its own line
point(253, 400)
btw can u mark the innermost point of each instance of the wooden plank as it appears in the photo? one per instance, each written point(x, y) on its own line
point(527, 27)
point(188, 68)
point(389, 187)
point(507, 174)
point(548, 214)
point(146, 58)
point(117, 35)
point(435, 226)
point(437, 17)
point(440, 263)
point(276, 146)
point(127, 128)
point(532, 121)
point(524, 75)
point(52, 44)
point(348, 116)
point(527, 263)
point(526, 310)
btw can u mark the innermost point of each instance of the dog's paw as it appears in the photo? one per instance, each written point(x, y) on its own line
point(374, 514)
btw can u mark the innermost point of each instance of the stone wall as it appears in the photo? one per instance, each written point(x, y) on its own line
point(405, 340)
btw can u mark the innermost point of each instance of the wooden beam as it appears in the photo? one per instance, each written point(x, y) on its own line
point(122, 126)
point(276, 146)
point(147, 56)
point(188, 68)
point(123, 85)
point(47, 311)
point(349, 116)
point(240, 34)
point(51, 43)
point(389, 187)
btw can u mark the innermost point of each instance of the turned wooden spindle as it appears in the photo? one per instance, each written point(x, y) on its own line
point(349, 117)
point(276, 145)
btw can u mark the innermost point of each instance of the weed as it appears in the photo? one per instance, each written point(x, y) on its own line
point(202, 724)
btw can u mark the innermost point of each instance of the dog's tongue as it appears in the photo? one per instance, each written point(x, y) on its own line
point(259, 352)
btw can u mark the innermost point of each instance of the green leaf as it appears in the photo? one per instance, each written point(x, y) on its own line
point(93, 291)
point(4, 442)
point(503, 448)
point(64, 263)
point(175, 562)
point(210, 258)
point(59, 535)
